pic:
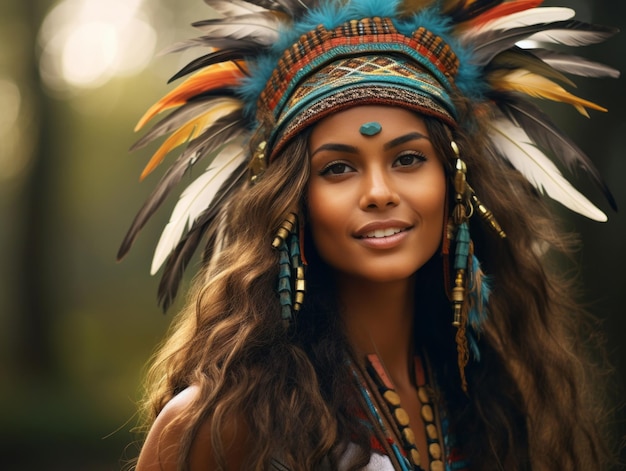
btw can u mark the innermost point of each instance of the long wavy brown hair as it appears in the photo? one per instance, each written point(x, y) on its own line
point(531, 401)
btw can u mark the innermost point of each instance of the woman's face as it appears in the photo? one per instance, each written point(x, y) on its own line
point(375, 202)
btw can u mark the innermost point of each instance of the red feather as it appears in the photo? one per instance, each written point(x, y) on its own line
point(504, 9)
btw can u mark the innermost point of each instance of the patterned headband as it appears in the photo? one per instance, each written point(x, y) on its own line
point(365, 61)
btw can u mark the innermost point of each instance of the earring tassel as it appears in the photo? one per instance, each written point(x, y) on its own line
point(290, 292)
point(296, 262)
point(284, 283)
point(462, 251)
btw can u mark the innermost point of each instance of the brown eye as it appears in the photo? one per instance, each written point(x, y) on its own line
point(409, 159)
point(336, 168)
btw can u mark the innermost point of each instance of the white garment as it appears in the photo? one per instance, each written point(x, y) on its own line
point(377, 462)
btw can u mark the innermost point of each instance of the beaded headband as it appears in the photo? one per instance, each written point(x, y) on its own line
point(276, 66)
point(361, 80)
point(377, 65)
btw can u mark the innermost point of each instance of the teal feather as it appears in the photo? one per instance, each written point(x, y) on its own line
point(479, 291)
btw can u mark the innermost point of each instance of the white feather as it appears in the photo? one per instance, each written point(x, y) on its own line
point(195, 199)
point(568, 37)
point(260, 27)
point(533, 16)
point(515, 145)
point(234, 7)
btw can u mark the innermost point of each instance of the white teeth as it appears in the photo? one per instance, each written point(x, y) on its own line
point(383, 232)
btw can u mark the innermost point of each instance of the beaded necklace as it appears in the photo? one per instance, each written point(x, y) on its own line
point(381, 400)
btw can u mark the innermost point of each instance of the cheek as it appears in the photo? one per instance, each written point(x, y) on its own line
point(326, 218)
point(431, 205)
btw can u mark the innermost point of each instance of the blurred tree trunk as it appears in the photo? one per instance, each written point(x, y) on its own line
point(34, 353)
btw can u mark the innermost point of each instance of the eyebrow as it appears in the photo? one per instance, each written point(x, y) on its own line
point(336, 147)
point(353, 150)
point(412, 136)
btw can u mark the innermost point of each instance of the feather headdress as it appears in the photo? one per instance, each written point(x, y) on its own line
point(259, 51)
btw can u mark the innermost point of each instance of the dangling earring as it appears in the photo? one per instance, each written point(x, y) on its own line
point(470, 292)
point(291, 282)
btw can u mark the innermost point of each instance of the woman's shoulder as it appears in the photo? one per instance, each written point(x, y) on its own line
point(164, 443)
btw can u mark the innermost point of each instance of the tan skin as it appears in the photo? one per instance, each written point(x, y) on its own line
point(392, 181)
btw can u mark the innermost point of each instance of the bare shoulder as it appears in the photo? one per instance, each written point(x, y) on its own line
point(162, 448)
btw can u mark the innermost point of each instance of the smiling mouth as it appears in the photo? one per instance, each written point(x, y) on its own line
point(380, 233)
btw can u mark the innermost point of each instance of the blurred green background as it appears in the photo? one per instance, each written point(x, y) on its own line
point(76, 328)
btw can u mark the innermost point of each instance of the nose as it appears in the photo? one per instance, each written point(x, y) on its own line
point(378, 191)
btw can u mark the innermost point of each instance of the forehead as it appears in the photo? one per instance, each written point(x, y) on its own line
point(347, 124)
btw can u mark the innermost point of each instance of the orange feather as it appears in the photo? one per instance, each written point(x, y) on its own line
point(189, 131)
point(214, 76)
point(504, 9)
point(537, 86)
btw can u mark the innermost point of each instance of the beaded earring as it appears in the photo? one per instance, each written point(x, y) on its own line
point(291, 282)
point(470, 292)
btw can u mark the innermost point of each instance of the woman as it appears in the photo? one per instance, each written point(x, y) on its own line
point(381, 155)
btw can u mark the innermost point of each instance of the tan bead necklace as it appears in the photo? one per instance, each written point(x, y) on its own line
point(397, 417)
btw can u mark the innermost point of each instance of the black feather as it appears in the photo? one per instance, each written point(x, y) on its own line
point(518, 58)
point(460, 12)
point(223, 55)
point(491, 43)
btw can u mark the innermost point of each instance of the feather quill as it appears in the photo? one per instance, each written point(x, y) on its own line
point(574, 33)
point(196, 198)
point(534, 85)
point(234, 7)
point(512, 142)
point(261, 28)
point(575, 65)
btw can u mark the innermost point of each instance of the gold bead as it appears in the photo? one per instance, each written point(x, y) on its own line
point(300, 286)
point(401, 416)
point(285, 229)
point(423, 395)
point(436, 465)
point(392, 397)
point(435, 450)
point(408, 436)
point(258, 164)
point(431, 432)
point(415, 456)
point(455, 148)
point(427, 413)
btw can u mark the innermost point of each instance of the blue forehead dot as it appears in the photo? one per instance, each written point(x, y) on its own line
point(370, 129)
